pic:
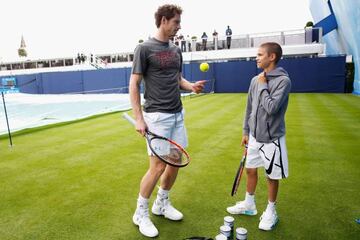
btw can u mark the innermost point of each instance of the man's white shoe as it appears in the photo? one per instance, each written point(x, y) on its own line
point(163, 207)
point(146, 227)
point(242, 208)
point(268, 220)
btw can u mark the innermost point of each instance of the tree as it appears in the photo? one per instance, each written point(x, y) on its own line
point(309, 24)
point(22, 52)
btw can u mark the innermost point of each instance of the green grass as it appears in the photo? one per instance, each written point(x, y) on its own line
point(81, 180)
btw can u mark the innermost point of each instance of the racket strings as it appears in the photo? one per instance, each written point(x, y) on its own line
point(169, 152)
point(175, 156)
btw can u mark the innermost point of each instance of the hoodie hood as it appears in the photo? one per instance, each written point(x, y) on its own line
point(279, 71)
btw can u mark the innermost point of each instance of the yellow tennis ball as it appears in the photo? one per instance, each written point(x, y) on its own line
point(204, 67)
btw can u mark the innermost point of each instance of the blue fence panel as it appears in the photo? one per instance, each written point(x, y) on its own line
point(322, 75)
point(28, 83)
point(234, 76)
point(127, 78)
point(325, 74)
point(105, 81)
point(191, 72)
point(62, 82)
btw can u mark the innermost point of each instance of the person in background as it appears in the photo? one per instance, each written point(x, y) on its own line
point(204, 38)
point(228, 34)
point(215, 39)
point(182, 43)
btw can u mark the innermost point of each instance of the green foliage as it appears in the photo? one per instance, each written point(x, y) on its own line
point(309, 24)
point(22, 52)
point(81, 180)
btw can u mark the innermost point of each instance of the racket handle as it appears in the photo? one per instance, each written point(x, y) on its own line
point(129, 119)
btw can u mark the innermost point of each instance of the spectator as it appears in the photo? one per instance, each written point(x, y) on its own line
point(228, 34)
point(78, 58)
point(82, 57)
point(183, 43)
point(188, 43)
point(215, 39)
point(204, 38)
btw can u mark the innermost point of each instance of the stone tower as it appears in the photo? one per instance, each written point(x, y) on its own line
point(22, 50)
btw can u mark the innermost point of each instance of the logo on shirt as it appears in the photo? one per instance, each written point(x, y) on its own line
point(167, 59)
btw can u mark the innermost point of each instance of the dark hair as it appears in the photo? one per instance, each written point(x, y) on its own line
point(273, 47)
point(168, 11)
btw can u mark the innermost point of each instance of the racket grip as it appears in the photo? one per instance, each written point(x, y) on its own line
point(129, 119)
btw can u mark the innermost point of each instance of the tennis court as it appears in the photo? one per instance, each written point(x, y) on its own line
point(79, 180)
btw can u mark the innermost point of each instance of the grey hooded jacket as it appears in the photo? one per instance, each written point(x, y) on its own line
point(266, 106)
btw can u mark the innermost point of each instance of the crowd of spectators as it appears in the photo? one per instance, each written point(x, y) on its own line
point(187, 44)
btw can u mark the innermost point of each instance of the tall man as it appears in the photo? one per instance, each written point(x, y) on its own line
point(159, 63)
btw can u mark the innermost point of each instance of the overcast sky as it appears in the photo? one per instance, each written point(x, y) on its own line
point(65, 27)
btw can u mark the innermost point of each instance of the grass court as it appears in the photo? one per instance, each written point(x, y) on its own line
point(80, 180)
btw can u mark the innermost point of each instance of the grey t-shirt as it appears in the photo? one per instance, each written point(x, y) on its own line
point(160, 63)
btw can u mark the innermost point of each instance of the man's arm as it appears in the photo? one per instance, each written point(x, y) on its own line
point(134, 90)
point(196, 87)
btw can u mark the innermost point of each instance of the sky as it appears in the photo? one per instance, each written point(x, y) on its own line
point(64, 28)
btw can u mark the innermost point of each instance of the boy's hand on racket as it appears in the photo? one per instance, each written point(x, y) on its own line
point(244, 140)
point(141, 126)
point(198, 86)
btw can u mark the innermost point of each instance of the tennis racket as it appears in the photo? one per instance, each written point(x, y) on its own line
point(239, 173)
point(165, 149)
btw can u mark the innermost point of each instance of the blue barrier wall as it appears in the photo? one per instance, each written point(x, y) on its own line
point(235, 76)
point(110, 81)
point(62, 82)
point(28, 83)
point(323, 75)
point(93, 81)
point(326, 74)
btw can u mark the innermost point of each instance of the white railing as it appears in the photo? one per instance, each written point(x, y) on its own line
point(245, 41)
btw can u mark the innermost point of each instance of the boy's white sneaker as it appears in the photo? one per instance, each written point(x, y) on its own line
point(268, 220)
point(163, 207)
point(242, 208)
point(146, 227)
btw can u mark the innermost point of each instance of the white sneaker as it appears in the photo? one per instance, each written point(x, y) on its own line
point(164, 207)
point(268, 220)
point(242, 208)
point(146, 227)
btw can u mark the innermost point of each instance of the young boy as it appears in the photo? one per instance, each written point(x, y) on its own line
point(264, 133)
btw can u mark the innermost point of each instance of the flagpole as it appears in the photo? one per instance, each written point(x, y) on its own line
point(6, 116)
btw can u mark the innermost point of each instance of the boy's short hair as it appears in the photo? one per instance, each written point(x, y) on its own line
point(273, 47)
point(168, 11)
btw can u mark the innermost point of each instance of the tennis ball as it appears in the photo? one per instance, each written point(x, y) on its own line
point(204, 67)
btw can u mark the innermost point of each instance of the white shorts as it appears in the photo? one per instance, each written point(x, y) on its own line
point(169, 125)
point(272, 156)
